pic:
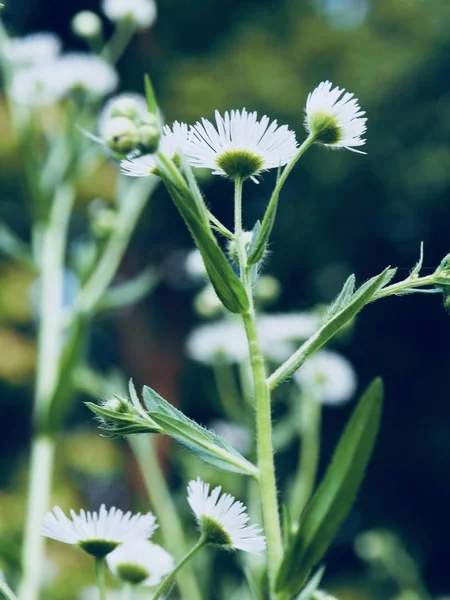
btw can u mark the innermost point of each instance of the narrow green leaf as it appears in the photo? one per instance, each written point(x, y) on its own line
point(129, 292)
point(226, 283)
point(13, 247)
point(260, 244)
point(342, 299)
point(312, 585)
point(207, 445)
point(415, 272)
point(255, 592)
point(332, 325)
point(333, 499)
point(152, 105)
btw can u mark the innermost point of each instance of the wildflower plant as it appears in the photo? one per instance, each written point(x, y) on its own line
point(297, 524)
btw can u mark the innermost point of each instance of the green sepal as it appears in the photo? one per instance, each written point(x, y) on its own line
point(333, 499)
point(226, 283)
point(119, 424)
point(207, 445)
point(152, 105)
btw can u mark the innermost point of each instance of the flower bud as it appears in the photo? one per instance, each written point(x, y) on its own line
point(86, 24)
point(125, 106)
point(207, 303)
point(148, 138)
point(121, 135)
point(267, 289)
point(103, 222)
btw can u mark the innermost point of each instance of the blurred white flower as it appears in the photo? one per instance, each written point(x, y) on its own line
point(319, 595)
point(35, 86)
point(335, 117)
point(172, 142)
point(86, 72)
point(140, 562)
point(328, 376)
point(224, 341)
point(288, 326)
point(99, 533)
point(141, 13)
point(223, 520)
point(91, 593)
point(207, 303)
point(86, 24)
point(240, 145)
point(194, 265)
point(33, 49)
point(236, 435)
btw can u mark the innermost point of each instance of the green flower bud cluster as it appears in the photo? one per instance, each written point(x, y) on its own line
point(119, 417)
point(128, 129)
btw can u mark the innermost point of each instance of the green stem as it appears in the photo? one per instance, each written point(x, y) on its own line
point(266, 466)
point(143, 448)
point(288, 168)
point(168, 581)
point(6, 592)
point(305, 480)
point(100, 575)
point(131, 209)
point(402, 286)
point(49, 347)
point(118, 42)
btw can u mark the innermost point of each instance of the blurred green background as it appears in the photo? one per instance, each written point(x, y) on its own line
point(340, 213)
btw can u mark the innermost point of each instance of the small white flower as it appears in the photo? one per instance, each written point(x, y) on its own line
point(86, 72)
point(320, 595)
point(223, 520)
point(141, 13)
point(328, 376)
point(99, 533)
point(240, 145)
point(35, 86)
point(223, 341)
point(173, 141)
point(335, 117)
point(288, 326)
point(86, 24)
point(33, 49)
point(140, 563)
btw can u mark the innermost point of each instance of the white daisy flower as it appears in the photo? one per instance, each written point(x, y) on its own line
point(173, 141)
point(86, 72)
point(335, 117)
point(99, 533)
point(141, 13)
point(240, 145)
point(33, 49)
point(86, 24)
point(35, 86)
point(223, 520)
point(328, 376)
point(223, 341)
point(140, 562)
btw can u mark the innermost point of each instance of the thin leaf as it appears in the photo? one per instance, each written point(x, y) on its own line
point(265, 230)
point(312, 585)
point(334, 323)
point(333, 499)
point(152, 105)
point(13, 247)
point(342, 299)
point(129, 292)
point(207, 445)
point(416, 271)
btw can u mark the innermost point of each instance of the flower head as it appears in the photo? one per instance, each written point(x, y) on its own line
point(35, 86)
point(99, 533)
point(142, 13)
point(223, 520)
point(140, 563)
point(87, 72)
point(335, 117)
point(33, 49)
point(173, 141)
point(240, 146)
point(328, 376)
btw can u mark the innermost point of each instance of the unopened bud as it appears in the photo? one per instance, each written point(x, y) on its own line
point(267, 289)
point(125, 106)
point(207, 303)
point(86, 24)
point(149, 136)
point(121, 135)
